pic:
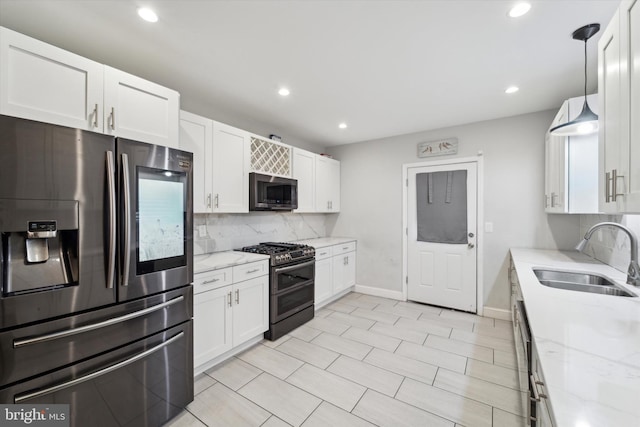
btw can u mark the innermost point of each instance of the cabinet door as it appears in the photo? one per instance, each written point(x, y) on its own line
point(250, 309)
point(196, 134)
point(212, 331)
point(327, 184)
point(555, 160)
point(323, 280)
point(609, 80)
point(304, 168)
point(138, 109)
point(344, 271)
point(230, 166)
point(630, 92)
point(44, 83)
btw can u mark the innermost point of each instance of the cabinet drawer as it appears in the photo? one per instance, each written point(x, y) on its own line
point(212, 280)
point(251, 270)
point(344, 248)
point(325, 252)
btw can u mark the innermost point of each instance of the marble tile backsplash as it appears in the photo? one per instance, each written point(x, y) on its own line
point(608, 244)
point(224, 232)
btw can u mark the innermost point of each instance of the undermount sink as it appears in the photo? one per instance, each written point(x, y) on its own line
point(582, 282)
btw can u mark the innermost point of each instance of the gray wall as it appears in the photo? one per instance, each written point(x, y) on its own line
point(513, 151)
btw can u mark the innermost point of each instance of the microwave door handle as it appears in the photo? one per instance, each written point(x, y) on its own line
point(126, 197)
point(111, 188)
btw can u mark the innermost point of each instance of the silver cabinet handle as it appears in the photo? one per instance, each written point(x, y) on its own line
point(96, 374)
point(95, 116)
point(111, 189)
point(237, 296)
point(209, 200)
point(112, 119)
point(127, 219)
point(55, 335)
point(206, 282)
point(614, 180)
point(546, 200)
point(553, 199)
point(229, 298)
point(607, 181)
point(536, 395)
point(217, 199)
point(322, 253)
point(255, 270)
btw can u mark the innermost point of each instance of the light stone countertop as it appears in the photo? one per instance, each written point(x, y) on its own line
point(218, 260)
point(323, 242)
point(588, 344)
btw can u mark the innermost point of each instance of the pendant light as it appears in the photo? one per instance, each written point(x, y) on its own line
point(587, 120)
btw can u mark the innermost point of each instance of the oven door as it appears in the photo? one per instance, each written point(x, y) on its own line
point(287, 277)
point(156, 219)
point(285, 304)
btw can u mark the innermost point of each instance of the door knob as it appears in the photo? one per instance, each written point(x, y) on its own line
point(471, 234)
point(471, 245)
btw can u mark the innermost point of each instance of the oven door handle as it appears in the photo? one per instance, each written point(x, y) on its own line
point(26, 396)
point(94, 326)
point(293, 267)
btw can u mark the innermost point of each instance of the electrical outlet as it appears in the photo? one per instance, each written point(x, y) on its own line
point(202, 230)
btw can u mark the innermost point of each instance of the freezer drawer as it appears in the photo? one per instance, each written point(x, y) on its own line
point(32, 350)
point(143, 384)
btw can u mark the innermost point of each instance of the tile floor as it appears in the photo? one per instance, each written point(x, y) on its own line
point(368, 361)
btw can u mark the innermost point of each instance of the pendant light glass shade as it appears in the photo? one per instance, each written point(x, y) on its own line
point(587, 120)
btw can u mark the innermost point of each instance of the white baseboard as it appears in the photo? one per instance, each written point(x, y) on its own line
point(236, 350)
point(497, 313)
point(378, 292)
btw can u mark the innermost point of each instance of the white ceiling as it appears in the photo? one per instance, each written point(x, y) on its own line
point(383, 67)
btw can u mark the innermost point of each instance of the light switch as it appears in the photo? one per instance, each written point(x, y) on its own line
point(488, 227)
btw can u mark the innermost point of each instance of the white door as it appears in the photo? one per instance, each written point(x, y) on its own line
point(211, 324)
point(250, 309)
point(304, 170)
point(230, 168)
point(196, 135)
point(441, 235)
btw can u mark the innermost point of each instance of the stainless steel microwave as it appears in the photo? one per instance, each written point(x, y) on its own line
point(272, 193)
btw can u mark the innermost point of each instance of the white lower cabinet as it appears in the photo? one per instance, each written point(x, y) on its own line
point(335, 271)
point(542, 416)
point(231, 306)
point(324, 275)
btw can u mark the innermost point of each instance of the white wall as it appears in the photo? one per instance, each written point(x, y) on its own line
point(371, 198)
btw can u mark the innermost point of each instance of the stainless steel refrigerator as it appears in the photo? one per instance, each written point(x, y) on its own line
point(96, 257)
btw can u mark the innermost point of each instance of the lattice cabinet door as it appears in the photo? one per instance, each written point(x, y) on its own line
point(270, 157)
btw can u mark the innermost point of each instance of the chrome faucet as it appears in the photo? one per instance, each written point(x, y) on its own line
point(633, 273)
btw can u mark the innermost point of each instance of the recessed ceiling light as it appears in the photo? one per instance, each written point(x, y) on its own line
point(284, 91)
point(342, 125)
point(519, 9)
point(511, 89)
point(147, 14)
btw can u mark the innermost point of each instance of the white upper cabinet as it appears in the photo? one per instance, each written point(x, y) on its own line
point(571, 167)
point(619, 83)
point(196, 134)
point(304, 169)
point(230, 168)
point(48, 84)
point(139, 109)
point(327, 184)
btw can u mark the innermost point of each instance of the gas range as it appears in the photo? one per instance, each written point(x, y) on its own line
point(282, 253)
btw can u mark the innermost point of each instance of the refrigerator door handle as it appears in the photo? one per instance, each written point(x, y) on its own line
point(126, 197)
point(26, 396)
point(92, 327)
point(111, 187)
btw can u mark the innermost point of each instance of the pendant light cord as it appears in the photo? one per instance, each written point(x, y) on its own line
point(585, 70)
